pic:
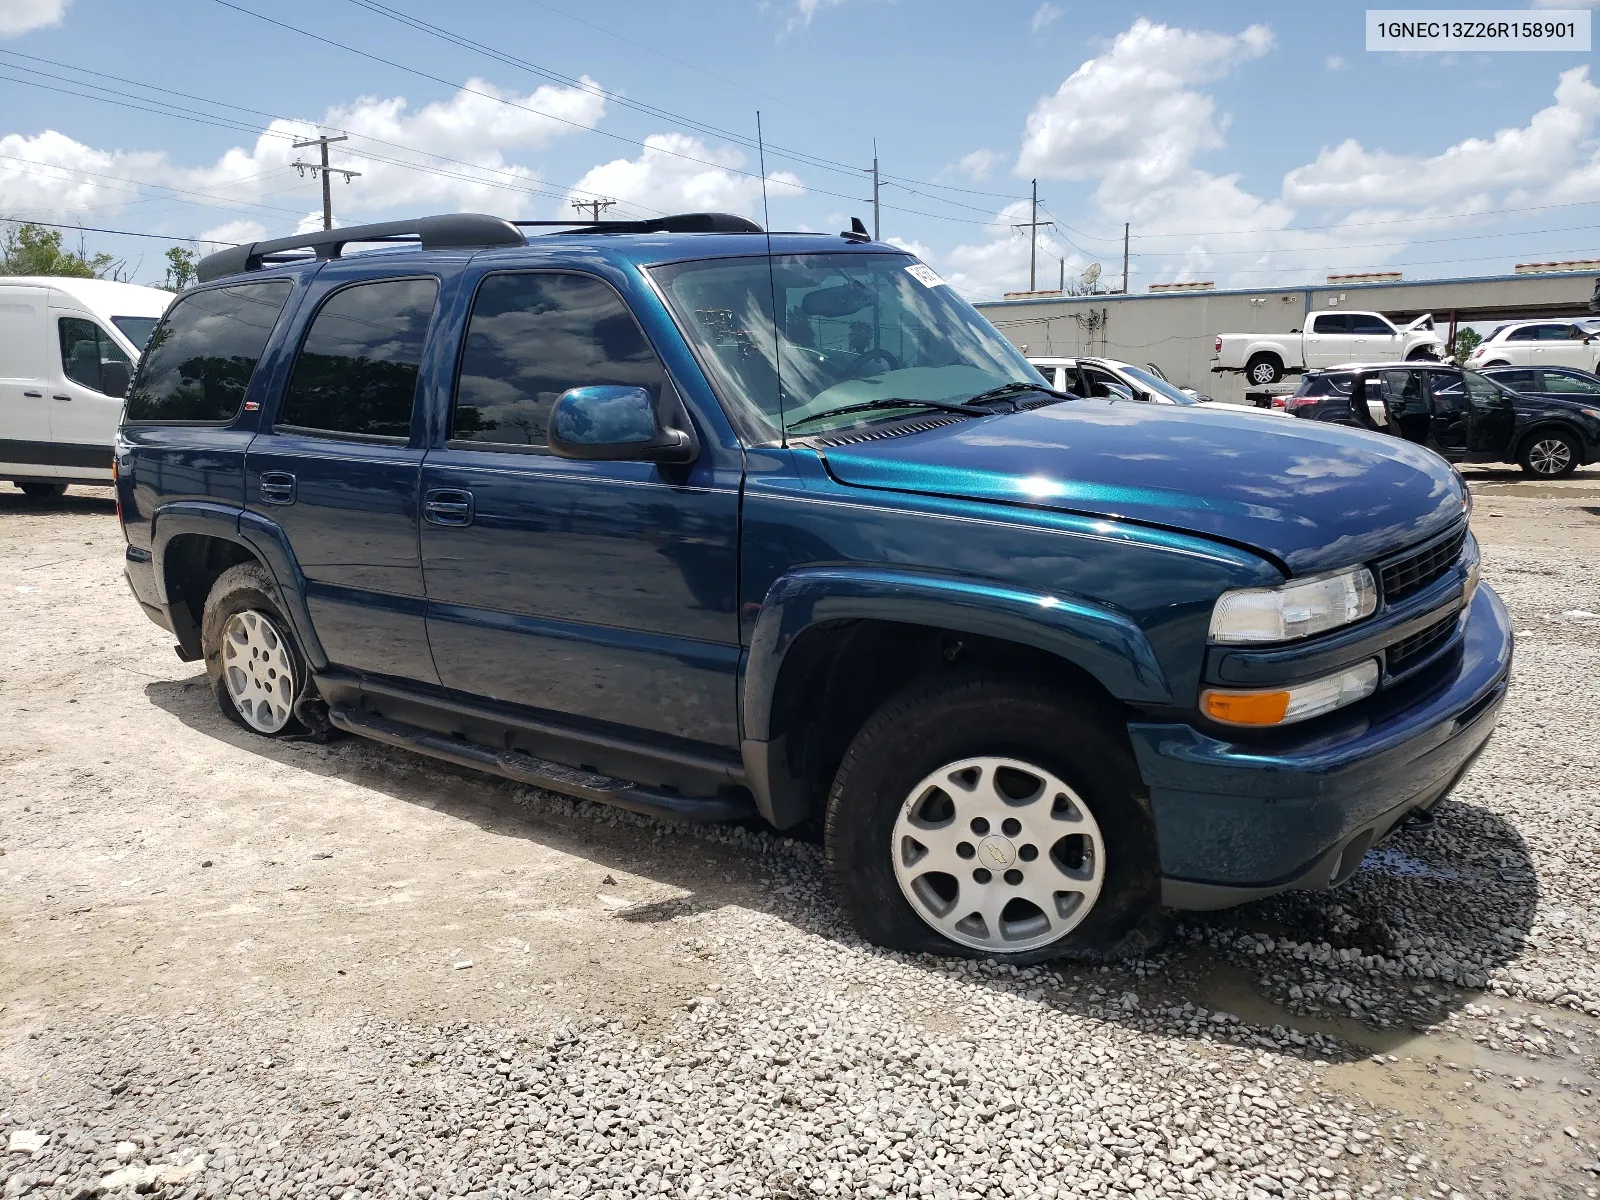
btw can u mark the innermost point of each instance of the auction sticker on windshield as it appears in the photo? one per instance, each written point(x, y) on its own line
point(1478, 29)
point(926, 276)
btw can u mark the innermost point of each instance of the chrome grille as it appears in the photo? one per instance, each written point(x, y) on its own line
point(1402, 576)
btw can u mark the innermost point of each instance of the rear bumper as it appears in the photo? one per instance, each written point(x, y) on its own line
point(140, 572)
point(1237, 821)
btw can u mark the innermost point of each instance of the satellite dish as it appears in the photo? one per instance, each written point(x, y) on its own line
point(1091, 273)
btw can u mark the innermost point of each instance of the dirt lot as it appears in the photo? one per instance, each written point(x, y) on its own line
point(241, 967)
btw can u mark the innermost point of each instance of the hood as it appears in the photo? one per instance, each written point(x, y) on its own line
point(1312, 496)
point(1425, 321)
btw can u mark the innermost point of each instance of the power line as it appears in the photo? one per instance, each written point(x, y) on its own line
point(118, 232)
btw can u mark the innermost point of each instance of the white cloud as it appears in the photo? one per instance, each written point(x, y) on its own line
point(19, 16)
point(1043, 17)
point(1131, 116)
point(664, 179)
point(975, 166)
point(1540, 154)
point(805, 10)
point(1334, 62)
point(473, 126)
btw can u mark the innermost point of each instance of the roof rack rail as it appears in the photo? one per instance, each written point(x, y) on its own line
point(707, 222)
point(450, 232)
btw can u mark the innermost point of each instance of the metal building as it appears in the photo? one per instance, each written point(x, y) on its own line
point(1177, 329)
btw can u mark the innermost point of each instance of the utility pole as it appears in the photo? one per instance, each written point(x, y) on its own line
point(1033, 228)
point(1125, 258)
point(596, 207)
point(326, 170)
point(874, 189)
point(1062, 286)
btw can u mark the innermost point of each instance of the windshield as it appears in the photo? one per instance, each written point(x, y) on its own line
point(856, 328)
point(1160, 386)
point(137, 329)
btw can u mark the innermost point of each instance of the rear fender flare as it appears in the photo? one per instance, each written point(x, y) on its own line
point(1106, 644)
point(270, 544)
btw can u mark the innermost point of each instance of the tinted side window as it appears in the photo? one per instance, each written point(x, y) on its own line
point(1518, 381)
point(1365, 324)
point(1557, 333)
point(357, 370)
point(1564, 384)
point(531, 337)
point(1528, 333)
point(84, 346)
point(199, 360)
point(1332, 323)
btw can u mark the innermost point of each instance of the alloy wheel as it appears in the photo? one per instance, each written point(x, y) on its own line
point(1549, 456)
point(998, 854)
point(258, 670)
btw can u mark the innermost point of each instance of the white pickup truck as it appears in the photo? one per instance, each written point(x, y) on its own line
point(1331, 339)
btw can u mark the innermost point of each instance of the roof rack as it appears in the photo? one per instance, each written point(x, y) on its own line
point(708, 222)
point(456, 231)
point(452, 232)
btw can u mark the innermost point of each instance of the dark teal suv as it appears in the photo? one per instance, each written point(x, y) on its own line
point(720, 525)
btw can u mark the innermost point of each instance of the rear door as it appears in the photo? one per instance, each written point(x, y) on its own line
point(603, 591)
point(339, 465)
point(83, 419)
point(1332, 342)
point(25, 447)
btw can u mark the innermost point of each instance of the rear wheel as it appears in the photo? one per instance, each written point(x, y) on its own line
point(1264, 369)
point(992, 818)
point(256, 671)
point(43, 491)
point(1549, 454)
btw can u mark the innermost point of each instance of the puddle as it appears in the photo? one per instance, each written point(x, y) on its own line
point(1492, 1123)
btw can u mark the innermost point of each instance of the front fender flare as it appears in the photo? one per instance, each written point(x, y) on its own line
point(1105, 643)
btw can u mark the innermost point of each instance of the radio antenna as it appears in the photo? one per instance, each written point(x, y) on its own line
point(772, 285)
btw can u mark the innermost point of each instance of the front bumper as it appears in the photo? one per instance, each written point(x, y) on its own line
point(1239, 820)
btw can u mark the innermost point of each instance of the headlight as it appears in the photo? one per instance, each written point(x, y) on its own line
point(1285, 706)
point(1298, 609)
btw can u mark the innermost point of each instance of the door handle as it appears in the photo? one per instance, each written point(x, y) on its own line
point(447, 506)
point(277, 487)
point(34, 395)
point(60, 397)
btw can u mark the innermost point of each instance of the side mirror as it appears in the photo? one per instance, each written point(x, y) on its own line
point(618, 424)
point(114, 378)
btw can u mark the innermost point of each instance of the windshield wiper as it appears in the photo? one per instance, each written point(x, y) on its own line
point(893, 402)
point(1008, 390)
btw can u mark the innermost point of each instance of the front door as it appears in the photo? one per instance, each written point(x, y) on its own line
point(603, 591)
point(83, 419)
point(1375, 340)
point(1491, 418)
point(1565, 346)
point(25, 447)
point(338, 469)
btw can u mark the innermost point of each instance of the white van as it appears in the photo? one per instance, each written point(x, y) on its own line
point(67, 347)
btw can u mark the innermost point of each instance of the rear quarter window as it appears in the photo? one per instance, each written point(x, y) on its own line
point(199, 361)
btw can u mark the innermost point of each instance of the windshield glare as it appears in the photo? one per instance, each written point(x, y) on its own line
point(856, 328)
point(1160, 386)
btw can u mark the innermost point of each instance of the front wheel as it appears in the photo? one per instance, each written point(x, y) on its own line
point(43, 491)
point(991, 818)
point(1423, 354)
point(1550, 454)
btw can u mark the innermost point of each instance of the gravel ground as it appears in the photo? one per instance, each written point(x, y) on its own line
point(235, 967)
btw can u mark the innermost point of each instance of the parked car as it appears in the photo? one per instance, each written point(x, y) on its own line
point(1097, 377)
point(675, 516)
point(1594, 300)
point(1330, 338)
point(66, 349)
point(1464, 415)
point(1539, 344)
point(1187, 391)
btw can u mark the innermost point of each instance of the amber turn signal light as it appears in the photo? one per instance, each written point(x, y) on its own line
point(1247, 708)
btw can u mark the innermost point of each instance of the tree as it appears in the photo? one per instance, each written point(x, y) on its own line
point(1467, 340)
point(29, 249)
point(181, 268)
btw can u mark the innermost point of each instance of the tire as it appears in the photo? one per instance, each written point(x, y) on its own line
point(43, 491)
point(256, 671)
point(1423, 355)
point(1549, 454)
point(968, 731)
point(1263, 369)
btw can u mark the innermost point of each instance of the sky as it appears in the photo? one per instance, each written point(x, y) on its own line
point(1252, 145)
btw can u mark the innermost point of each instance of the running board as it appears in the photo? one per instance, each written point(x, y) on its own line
point(538, 772)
